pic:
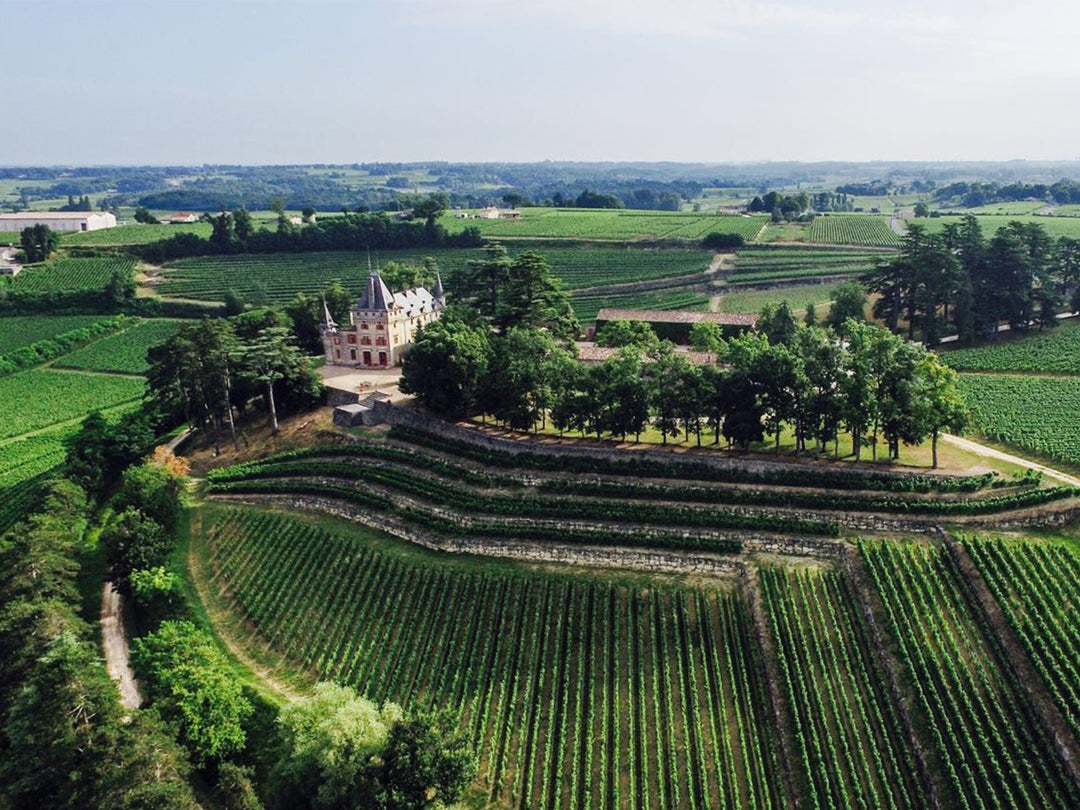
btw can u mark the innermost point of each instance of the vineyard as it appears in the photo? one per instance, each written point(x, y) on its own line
point(1036, 413)
point(1054, 226)
point(587, 304)
point(990, 746)
point(566, 223)
point(853, 229)
point(35, 399)
point(798, 297)
point(1037, 586)
point(1056, 351)
point(123, 352)
point(575, 692)
point(280, 276)
point(70, 274)
point(134, 234)
point(772, 264)
point(19, 331)
point(852, 746)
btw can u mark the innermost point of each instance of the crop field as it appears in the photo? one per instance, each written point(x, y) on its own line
point(1056, 350)
point(122, 352)
point(782, 263)
point(799, 297)
point(282, 275)
point(25, 457)
point(853, 229)
point(586, 304)
point(1037, 585)
point(1036, 413)
point(568, 223)
point(1054, 226)
point(1004, 208)
point(991, 747)
point(70, 274)
point(134, 234)
point(35, 399)
point(22, 330)
point(842, 714)
point(575, 692)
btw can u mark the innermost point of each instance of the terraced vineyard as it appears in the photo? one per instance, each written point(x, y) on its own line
point(992, 751)
point(1037, 585)
point(851, 742)
point(587, 304)
point(575, 692)
point(280, 276)
point(1035, 413)
point(70, 274)
point(853, 229)
point(798, 296)
point(1054, 351)
point(123, 352)
point(569, 223)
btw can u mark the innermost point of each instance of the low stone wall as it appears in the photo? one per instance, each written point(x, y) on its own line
point(656, 561)
point(391, 414)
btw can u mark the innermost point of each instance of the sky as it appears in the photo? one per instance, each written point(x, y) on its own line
point(343, 81)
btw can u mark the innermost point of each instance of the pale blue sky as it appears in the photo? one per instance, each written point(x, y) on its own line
point(303, 81)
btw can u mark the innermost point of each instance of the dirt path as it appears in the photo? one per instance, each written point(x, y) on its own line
point(990, 452)
point(114, 643)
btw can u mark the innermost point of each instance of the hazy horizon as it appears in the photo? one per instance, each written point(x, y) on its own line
point(262, 82)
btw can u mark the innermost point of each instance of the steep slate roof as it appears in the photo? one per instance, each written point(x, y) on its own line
point(378, 298)
point(377, 295)
point(677, 316)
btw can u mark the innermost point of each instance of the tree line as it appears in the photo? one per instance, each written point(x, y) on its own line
point(974, 194)
point(959, 281)
point(811, 381)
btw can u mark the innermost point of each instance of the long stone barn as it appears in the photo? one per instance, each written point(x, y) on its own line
point(675, 325)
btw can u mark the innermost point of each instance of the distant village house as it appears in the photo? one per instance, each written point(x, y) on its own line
point(382, 324)
point(180, 218)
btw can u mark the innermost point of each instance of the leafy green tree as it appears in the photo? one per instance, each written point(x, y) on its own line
point(534, 297)
point(484, 280)
point(143, 215)
point(777, 323)
point(513, 389)
point(707, 337)
point(427, 763)
point(810, 318)
point(849, 302)
point(154, 491)
point(268, 359)
point(243, 225)
point(134, 542)
point(100, 448)
point(338, 301)
point(622, 392)
point(619, 333)
point(235, 788)
point(446, 363)
point(922, 209)
point(187, 677)
point(234, 304)
point(940, 404)
point(38, 242)
point(663, 371)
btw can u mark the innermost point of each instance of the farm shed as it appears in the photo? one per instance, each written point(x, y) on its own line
point(57, 220)
point(675, 325)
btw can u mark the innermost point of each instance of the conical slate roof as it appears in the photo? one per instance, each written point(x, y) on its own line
point(327, 319)
point(437, 293)
point(377, 296)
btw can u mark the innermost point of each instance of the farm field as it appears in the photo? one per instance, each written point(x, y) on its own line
point(841, 711)
point(769, 264)
point(22, 330)
point(587, 304)
point(853, 229)
point(570, 223)
point(1002, 208)
point(1055, 351)
point(799, 297)
point(1035, 413)
point(575, 691)
point(38, 398)
point(281, 276)
point(1054, 226)
point(70, 274)
point(991, 748)
point(133, 234)
point(1037, 585)
point(123, 352)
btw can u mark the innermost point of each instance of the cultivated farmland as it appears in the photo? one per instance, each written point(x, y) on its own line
point(1036, 413)
point(280, 276)
point(992, 750)
point(854, 229)
point(1056, 350)
point(22, 330)
point(798, 297)
point(575, 692)
point(774, 264)
point(71, 274)
point(123, 352)
point(38, 398)
point(134, 234)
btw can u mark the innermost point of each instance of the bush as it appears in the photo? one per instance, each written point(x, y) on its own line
point(134, 542)
point(153, 490)
point(723, 241)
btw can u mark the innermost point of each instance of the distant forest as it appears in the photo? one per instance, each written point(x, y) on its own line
point(651, 186)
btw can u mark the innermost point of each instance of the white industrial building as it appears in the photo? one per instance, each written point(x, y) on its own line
point(57, 220)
